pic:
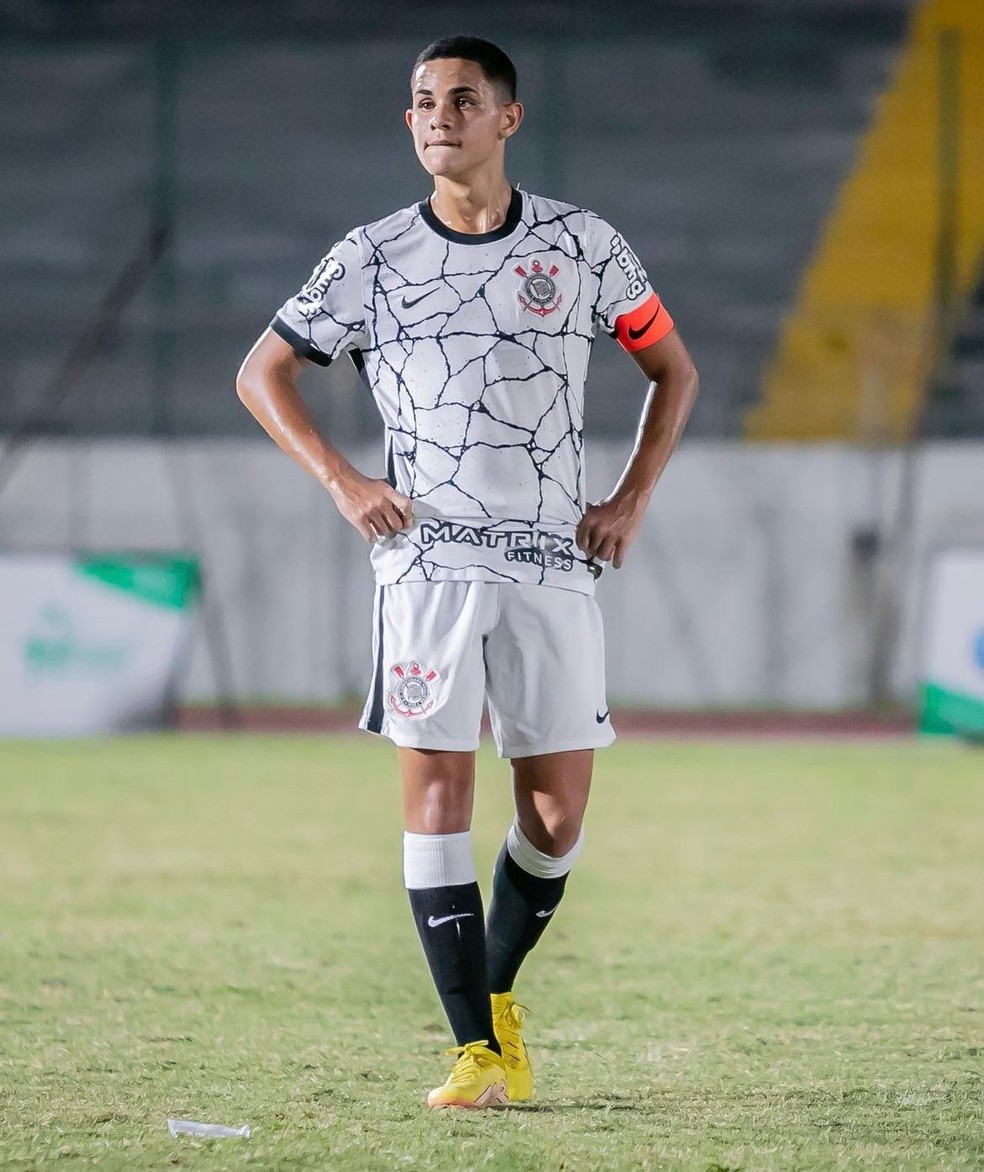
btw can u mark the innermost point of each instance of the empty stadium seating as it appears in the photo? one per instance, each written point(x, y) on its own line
point(718, 153)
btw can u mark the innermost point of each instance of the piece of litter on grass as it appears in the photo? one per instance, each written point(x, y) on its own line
point(206, 1130)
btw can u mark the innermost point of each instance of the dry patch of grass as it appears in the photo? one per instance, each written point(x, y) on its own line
point(770, 958)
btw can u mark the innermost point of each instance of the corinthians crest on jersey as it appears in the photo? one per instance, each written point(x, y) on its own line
point(539, 292)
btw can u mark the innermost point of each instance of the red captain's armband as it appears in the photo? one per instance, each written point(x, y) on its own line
point(642, 326)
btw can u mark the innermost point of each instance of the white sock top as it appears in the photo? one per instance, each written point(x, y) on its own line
point(535, 862)
point(437, 860)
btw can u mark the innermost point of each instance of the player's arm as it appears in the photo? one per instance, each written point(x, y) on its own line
point(267, 385)
point(608, 528)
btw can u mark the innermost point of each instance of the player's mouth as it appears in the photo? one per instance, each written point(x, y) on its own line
point(445, 144)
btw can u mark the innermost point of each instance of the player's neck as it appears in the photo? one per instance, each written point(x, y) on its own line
point(472, 206)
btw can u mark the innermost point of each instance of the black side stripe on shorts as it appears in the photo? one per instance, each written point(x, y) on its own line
point(375, 721)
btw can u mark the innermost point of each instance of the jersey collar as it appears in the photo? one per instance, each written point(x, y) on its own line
point(507, 226)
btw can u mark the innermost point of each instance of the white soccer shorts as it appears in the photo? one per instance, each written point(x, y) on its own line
point(440, 648)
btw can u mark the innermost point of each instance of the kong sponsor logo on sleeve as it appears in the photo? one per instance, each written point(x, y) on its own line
point(311, 298)
point(538, 292)
point(413, 692)
point(628, 262)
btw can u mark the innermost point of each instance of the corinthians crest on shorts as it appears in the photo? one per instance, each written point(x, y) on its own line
point(539, 289)
point(412, 694)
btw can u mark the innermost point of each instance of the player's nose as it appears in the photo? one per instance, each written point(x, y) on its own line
point(440, 116)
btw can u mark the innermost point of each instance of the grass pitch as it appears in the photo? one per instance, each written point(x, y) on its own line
point(770, 958)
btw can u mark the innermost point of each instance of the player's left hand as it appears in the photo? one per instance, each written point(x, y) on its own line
point(608, 529)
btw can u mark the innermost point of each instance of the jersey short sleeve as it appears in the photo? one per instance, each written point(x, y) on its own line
point(327, 316)
point(626, 306)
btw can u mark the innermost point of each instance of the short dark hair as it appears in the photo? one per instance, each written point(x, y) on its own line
point(496, 66)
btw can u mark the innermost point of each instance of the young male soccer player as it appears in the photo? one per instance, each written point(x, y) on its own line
point(470, 316)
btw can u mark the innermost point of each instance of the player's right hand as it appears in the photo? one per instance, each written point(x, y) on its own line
point(374, 507)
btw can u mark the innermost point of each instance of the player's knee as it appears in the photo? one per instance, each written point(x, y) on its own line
point(440, 808)
point(552, 832)
point(545, 864)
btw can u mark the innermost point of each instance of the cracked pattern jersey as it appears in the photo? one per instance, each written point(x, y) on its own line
point(476, 348)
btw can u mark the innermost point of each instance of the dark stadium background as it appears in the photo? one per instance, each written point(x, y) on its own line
point(171, 172)
point(714, 135)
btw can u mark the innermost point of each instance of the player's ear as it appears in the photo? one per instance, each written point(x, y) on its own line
point(512, 117)
point(409, 117)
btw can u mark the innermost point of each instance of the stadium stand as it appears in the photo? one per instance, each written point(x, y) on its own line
point(857, 353)
point(718, 153)
point(955, 406)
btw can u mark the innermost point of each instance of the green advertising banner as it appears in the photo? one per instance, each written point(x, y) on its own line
point(93, 644)
point(952, 685)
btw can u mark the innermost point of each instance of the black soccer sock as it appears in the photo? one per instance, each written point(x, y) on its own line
point(452, 930)
point(450, 922)
point(523, 904)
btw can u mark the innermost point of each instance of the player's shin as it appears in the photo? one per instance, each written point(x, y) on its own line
point(447, 907)
point(527, 887)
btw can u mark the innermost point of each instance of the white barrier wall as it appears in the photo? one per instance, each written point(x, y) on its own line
point(751, 583)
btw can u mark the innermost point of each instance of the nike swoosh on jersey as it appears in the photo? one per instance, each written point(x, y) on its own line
point(601, 717)
point(436, 922)
point(543, 915)
point(635, 335)
point(416, 301)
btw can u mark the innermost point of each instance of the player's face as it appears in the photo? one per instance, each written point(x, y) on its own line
point(458, 120)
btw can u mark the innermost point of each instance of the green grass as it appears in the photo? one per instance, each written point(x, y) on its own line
point(771, 957)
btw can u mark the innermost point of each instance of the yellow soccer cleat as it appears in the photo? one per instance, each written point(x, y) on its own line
point(507, 1020)
point(477, 1079)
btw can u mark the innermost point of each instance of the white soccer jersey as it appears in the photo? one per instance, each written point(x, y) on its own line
point(476, 348)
